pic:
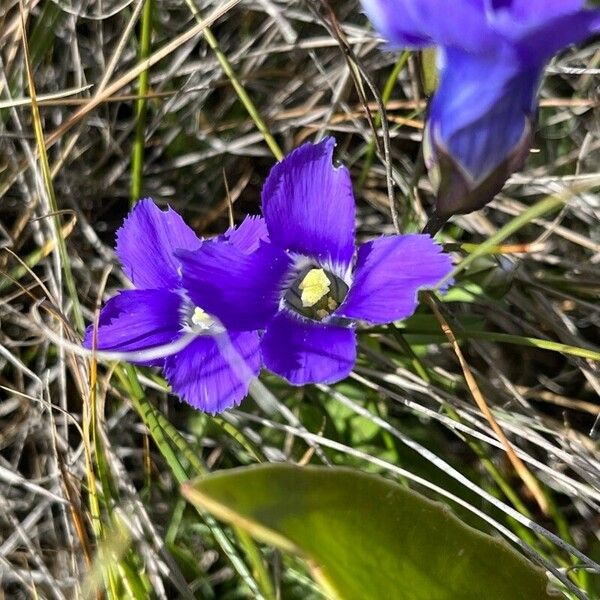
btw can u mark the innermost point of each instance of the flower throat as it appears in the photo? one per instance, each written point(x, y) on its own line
point(316, 293)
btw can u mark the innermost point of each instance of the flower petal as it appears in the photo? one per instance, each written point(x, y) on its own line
point(309, 206)
point(389, 272)
point(538, 10)
point(248, 234)
point(214, 373)
point(146, 245)
point(136, 320)
point(241, 290)
point(302, 352)
point(539, 41)
point(419, 23)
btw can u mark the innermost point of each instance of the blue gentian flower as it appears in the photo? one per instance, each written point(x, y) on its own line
point(307, 287)
point(208, 372)
point(492, 54)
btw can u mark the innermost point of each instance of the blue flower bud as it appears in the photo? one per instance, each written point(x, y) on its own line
point(480, 122)
point(477, 135)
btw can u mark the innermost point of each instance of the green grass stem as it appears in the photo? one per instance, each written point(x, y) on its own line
point(385, 97)
point(141, 106)
point(545, 206)
point(165, 436)
point(240, 90)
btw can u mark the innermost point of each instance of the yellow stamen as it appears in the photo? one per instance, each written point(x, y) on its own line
point(314, 286)
point(201, 318)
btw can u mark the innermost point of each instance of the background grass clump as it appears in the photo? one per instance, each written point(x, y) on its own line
point(92, 456)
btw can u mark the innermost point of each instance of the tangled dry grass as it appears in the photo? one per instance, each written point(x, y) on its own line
point(78, 467)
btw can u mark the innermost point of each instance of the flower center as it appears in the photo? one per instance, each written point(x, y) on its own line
point(314, 286)
point(201, 319)
point(197, 321)
point(316, 293)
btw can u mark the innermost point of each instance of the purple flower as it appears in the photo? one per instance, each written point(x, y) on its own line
point(492, 54)
point(214, 370)
point(305, 287)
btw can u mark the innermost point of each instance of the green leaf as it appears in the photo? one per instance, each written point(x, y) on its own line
point(367, 538)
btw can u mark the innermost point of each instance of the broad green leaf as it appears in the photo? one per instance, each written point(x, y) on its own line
point(367, 538)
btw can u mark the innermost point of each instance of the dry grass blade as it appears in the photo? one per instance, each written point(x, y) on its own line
point(49, 187)
point(523, 309)
point(142, 66)
point(524, 473)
